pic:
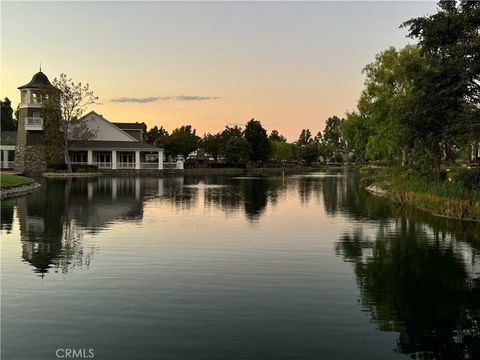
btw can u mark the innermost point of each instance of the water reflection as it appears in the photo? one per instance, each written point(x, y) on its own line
point(53, 221)
point(418, 276)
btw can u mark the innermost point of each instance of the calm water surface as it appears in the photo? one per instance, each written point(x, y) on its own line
point(287, 267)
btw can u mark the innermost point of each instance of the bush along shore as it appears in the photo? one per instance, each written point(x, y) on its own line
point(14, 185)
point(456, 197)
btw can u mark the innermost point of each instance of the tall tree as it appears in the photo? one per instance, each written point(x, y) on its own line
point(305, 137)
point(332, 136)
point(276, 136)
point(450, 89)
point(7, 121)
point(391, 102)
point(309, 153)
point(212, 143)
point(155, 133)
point(257, 139)
point(355, 131)
point(236, 150)
point(281, 151)
point(181, 141)
point(72, 102)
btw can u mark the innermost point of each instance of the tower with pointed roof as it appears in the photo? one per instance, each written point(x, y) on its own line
point(30, 154)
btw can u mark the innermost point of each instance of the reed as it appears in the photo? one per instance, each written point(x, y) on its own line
point(442, 198)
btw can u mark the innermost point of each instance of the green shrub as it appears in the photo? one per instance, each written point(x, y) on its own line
point(84, 168)
point(468, 178)
point(75, 168)
point(57, 167)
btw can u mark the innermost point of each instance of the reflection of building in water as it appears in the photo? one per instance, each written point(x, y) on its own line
point(40, 231)
point(6, 215)
point(54, 219)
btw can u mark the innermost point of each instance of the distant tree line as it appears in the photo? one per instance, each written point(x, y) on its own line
point(253, 145)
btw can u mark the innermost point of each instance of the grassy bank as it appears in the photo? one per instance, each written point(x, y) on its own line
point(448, 198)
point(8, 181)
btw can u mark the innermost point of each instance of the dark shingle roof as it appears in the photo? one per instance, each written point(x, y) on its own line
point(39, 80)
point(129, 126)
point(112, 145)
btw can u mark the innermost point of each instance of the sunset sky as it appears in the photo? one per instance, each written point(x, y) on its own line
point(208, 64)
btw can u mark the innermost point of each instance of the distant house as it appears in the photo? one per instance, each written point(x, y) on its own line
point(199, 158)
point(115, 146)
point(7, 149)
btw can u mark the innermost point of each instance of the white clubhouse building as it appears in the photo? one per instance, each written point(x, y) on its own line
point(116, 146)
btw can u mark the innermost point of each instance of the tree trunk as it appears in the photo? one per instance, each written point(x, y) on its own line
point(438, 163)
point(67, 157)
point(404, 156)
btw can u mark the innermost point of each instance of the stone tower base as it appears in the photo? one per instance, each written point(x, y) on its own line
point(30, 159)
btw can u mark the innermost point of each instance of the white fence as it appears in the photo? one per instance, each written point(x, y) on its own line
point(131, 165)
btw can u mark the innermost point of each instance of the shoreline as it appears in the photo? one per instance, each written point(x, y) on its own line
point(19, 190)
point(426, 203)
point(189, 171)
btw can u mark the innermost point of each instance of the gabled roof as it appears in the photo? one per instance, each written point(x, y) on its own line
point(110, 123)
point(129, 126)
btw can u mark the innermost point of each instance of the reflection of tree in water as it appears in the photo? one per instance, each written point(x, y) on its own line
point(255, 197)
point(416, 282)
point(308, 186)
point(49, 236)
point(252, 194)
point(76, 252)
point(342, 194)
point(6, 215)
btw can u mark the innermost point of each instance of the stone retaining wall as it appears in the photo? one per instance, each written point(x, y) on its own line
point(180, 172)
point(67, 174)
point(18, 191)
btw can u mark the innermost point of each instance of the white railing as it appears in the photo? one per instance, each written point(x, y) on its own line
point(149, 165)
point(169, 165)
point(33, 123)
point(131, 165)
point(7, 164)
point(125, 165)
point(103, 165)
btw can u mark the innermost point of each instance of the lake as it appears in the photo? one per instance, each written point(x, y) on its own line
point(214, 267)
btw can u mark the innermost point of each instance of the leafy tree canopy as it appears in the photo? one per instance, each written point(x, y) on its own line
point(7, 121)
point(257, 139)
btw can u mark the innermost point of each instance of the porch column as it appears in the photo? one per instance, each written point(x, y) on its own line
point(114, 159)
point(90, 191)
point(160, 186)
point(160, 159)
point(114, 189)
point(5, 159)
point(137, 188)
point(90, 157)
point(137, 159)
